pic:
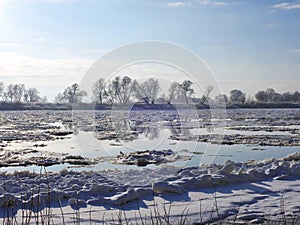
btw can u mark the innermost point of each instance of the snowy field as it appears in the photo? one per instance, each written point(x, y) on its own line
point(200, 166)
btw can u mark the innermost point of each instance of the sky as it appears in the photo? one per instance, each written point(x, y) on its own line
point(249, 45)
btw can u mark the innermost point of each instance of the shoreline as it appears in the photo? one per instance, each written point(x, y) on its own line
point(137, 107)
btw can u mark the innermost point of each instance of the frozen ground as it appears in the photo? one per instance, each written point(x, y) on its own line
point(242, 189)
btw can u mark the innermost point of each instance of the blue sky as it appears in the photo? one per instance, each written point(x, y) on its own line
point(250, 45)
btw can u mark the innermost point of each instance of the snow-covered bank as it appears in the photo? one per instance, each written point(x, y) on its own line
point(113, 189)
point(250, 203)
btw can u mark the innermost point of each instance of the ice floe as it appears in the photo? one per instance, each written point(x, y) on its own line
point(143, 158)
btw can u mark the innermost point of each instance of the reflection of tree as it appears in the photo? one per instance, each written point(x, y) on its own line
point(121, 126)
point(129, 127)
point(186, 132)
point(73, 127)
point(177, 130)
point(75, 130)
point(124, 127)
point(151, 132)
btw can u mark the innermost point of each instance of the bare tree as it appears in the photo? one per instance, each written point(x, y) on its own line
point(9, 92)
point(296, 96)
point(186, 90)
point(115, 88)
point(26, 96)
point(148, 90)
point(221, 99)
point(206, 94)
point(249, 99)
point(73, 94)
point(237, 96)
point(272, 95)
point(99, 90)
point(261, 96)
point(33, 95)
point(173, 91)
point(5, 97)
point(44, 99)
point(59, 98)
point(126, 89)
point(120, 90)
point(18, 91)
point(1, 89)
point(109, 94)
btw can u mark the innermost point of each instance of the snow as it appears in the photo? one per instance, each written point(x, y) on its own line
point(250, 187)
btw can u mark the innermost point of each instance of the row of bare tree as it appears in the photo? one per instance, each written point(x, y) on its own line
point(18, 93)
point(267, 96)
point(123, 90)
point(271, 96)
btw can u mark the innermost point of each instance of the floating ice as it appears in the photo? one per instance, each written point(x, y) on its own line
point(143, 158)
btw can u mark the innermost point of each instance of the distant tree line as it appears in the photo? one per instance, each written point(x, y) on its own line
point(271, 96)
point(18, 93)
point(124, 90)
point(268, 96)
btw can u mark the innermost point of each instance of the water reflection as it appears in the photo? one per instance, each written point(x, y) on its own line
point(179, 131)
point(129, 126)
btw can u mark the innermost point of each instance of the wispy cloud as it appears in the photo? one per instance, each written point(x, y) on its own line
point(212, 2)
point(55, 1)
point(197, 2)
point(22, 65)
point(49, 75)
point(37, 76)
point(8, 44)
point(50, 1)
point(178, 4)
point(287, 5)
point(295, 50)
